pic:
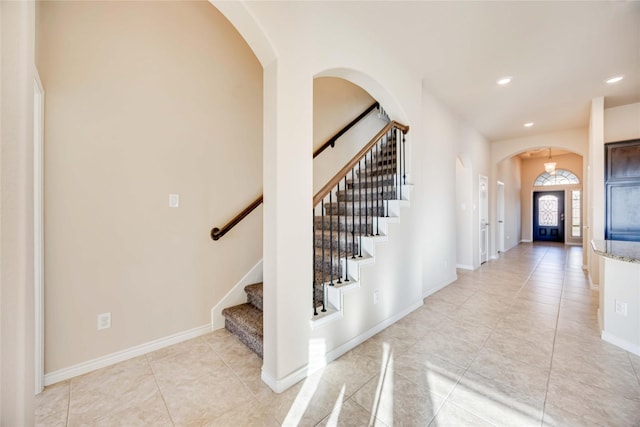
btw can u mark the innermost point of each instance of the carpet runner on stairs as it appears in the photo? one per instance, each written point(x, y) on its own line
point(245, 320)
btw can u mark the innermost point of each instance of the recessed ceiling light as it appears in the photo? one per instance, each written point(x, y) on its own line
point(615, 79)
point(504, 80)
point(528, 125)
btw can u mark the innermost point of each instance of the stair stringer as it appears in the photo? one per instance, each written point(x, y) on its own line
point(336, 293)
point(235, 296)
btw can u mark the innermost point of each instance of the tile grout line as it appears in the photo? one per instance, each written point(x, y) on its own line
point(633, 369)
point(155, 379)
point(553, 347)
point(233, 371)
point(446, 399)
point(69, 404)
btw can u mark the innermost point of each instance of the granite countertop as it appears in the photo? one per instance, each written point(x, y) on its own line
point(618, 249)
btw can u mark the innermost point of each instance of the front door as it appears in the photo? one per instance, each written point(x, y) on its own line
point(548, 216)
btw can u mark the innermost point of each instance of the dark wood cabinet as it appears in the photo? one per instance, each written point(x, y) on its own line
point(622, 190)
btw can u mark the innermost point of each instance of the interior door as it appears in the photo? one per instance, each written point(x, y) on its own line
point(483, 210)
point(500, 200)
point(548, 216)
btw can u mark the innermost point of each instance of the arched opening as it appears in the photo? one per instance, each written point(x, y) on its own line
point(526, 181)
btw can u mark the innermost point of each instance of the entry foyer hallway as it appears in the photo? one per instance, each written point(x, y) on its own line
point(514, 343)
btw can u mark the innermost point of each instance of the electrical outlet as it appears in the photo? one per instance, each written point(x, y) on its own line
point(621, 308)
point(174, 200)
point(104, 321)
point(376, 297)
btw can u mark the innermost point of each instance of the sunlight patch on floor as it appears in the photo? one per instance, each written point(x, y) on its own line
point(383, 400)
point(335, 413)
point(317, 360)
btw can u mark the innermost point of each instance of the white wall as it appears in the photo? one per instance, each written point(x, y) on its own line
point(595, 189)
point(464, 215)
point(448, 242)
point(622, 123)
point(171, 102)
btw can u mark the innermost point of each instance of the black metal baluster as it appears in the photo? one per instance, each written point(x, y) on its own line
point(313, 293)
point(378, 189)
point(404, 160)
point(371, 172)
point(331, 239)
point(396, 172)
point(323, 286)
point(322, 247)
point(385, 180)
point(338, 228)
point(359, 204)
point(392, 160)
point(366, 196)
point(353, 215)
point(346, 231)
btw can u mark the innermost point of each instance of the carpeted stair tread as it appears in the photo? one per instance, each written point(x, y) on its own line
point(367, 182)
point(245, 321)
point(254, 295)
point(359, 224)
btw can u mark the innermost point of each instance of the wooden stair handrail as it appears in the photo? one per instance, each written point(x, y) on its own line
point(332, 141)
point(217, 233)
point(354, 161)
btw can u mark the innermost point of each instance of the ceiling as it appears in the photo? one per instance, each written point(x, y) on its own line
point(558, 53)
point(543, 153)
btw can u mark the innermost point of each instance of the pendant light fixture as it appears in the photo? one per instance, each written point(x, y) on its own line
point(549, 166)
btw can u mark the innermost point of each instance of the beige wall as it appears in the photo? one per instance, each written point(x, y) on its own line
point(531, 169)
point(335, 103)
point(144, 99)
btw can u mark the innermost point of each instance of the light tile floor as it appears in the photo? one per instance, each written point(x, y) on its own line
point(514, 343)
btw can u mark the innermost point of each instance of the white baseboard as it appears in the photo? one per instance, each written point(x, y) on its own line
point(436, 288)
point(593, 286)
point(280, 385)
point(526, 241)
point(619, 342)
point(235, 296)
point(121, 356)
point(464, 267)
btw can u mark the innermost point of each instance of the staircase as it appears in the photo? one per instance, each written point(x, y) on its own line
point(347, 221)
point(245, 320)
point(353, 214)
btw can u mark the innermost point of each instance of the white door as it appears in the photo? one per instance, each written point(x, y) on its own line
point(483, 214)
point(500, 200)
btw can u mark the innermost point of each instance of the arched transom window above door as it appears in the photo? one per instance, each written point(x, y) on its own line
point(560, 177)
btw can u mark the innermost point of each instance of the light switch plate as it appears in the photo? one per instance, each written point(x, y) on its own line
point(174, 200)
